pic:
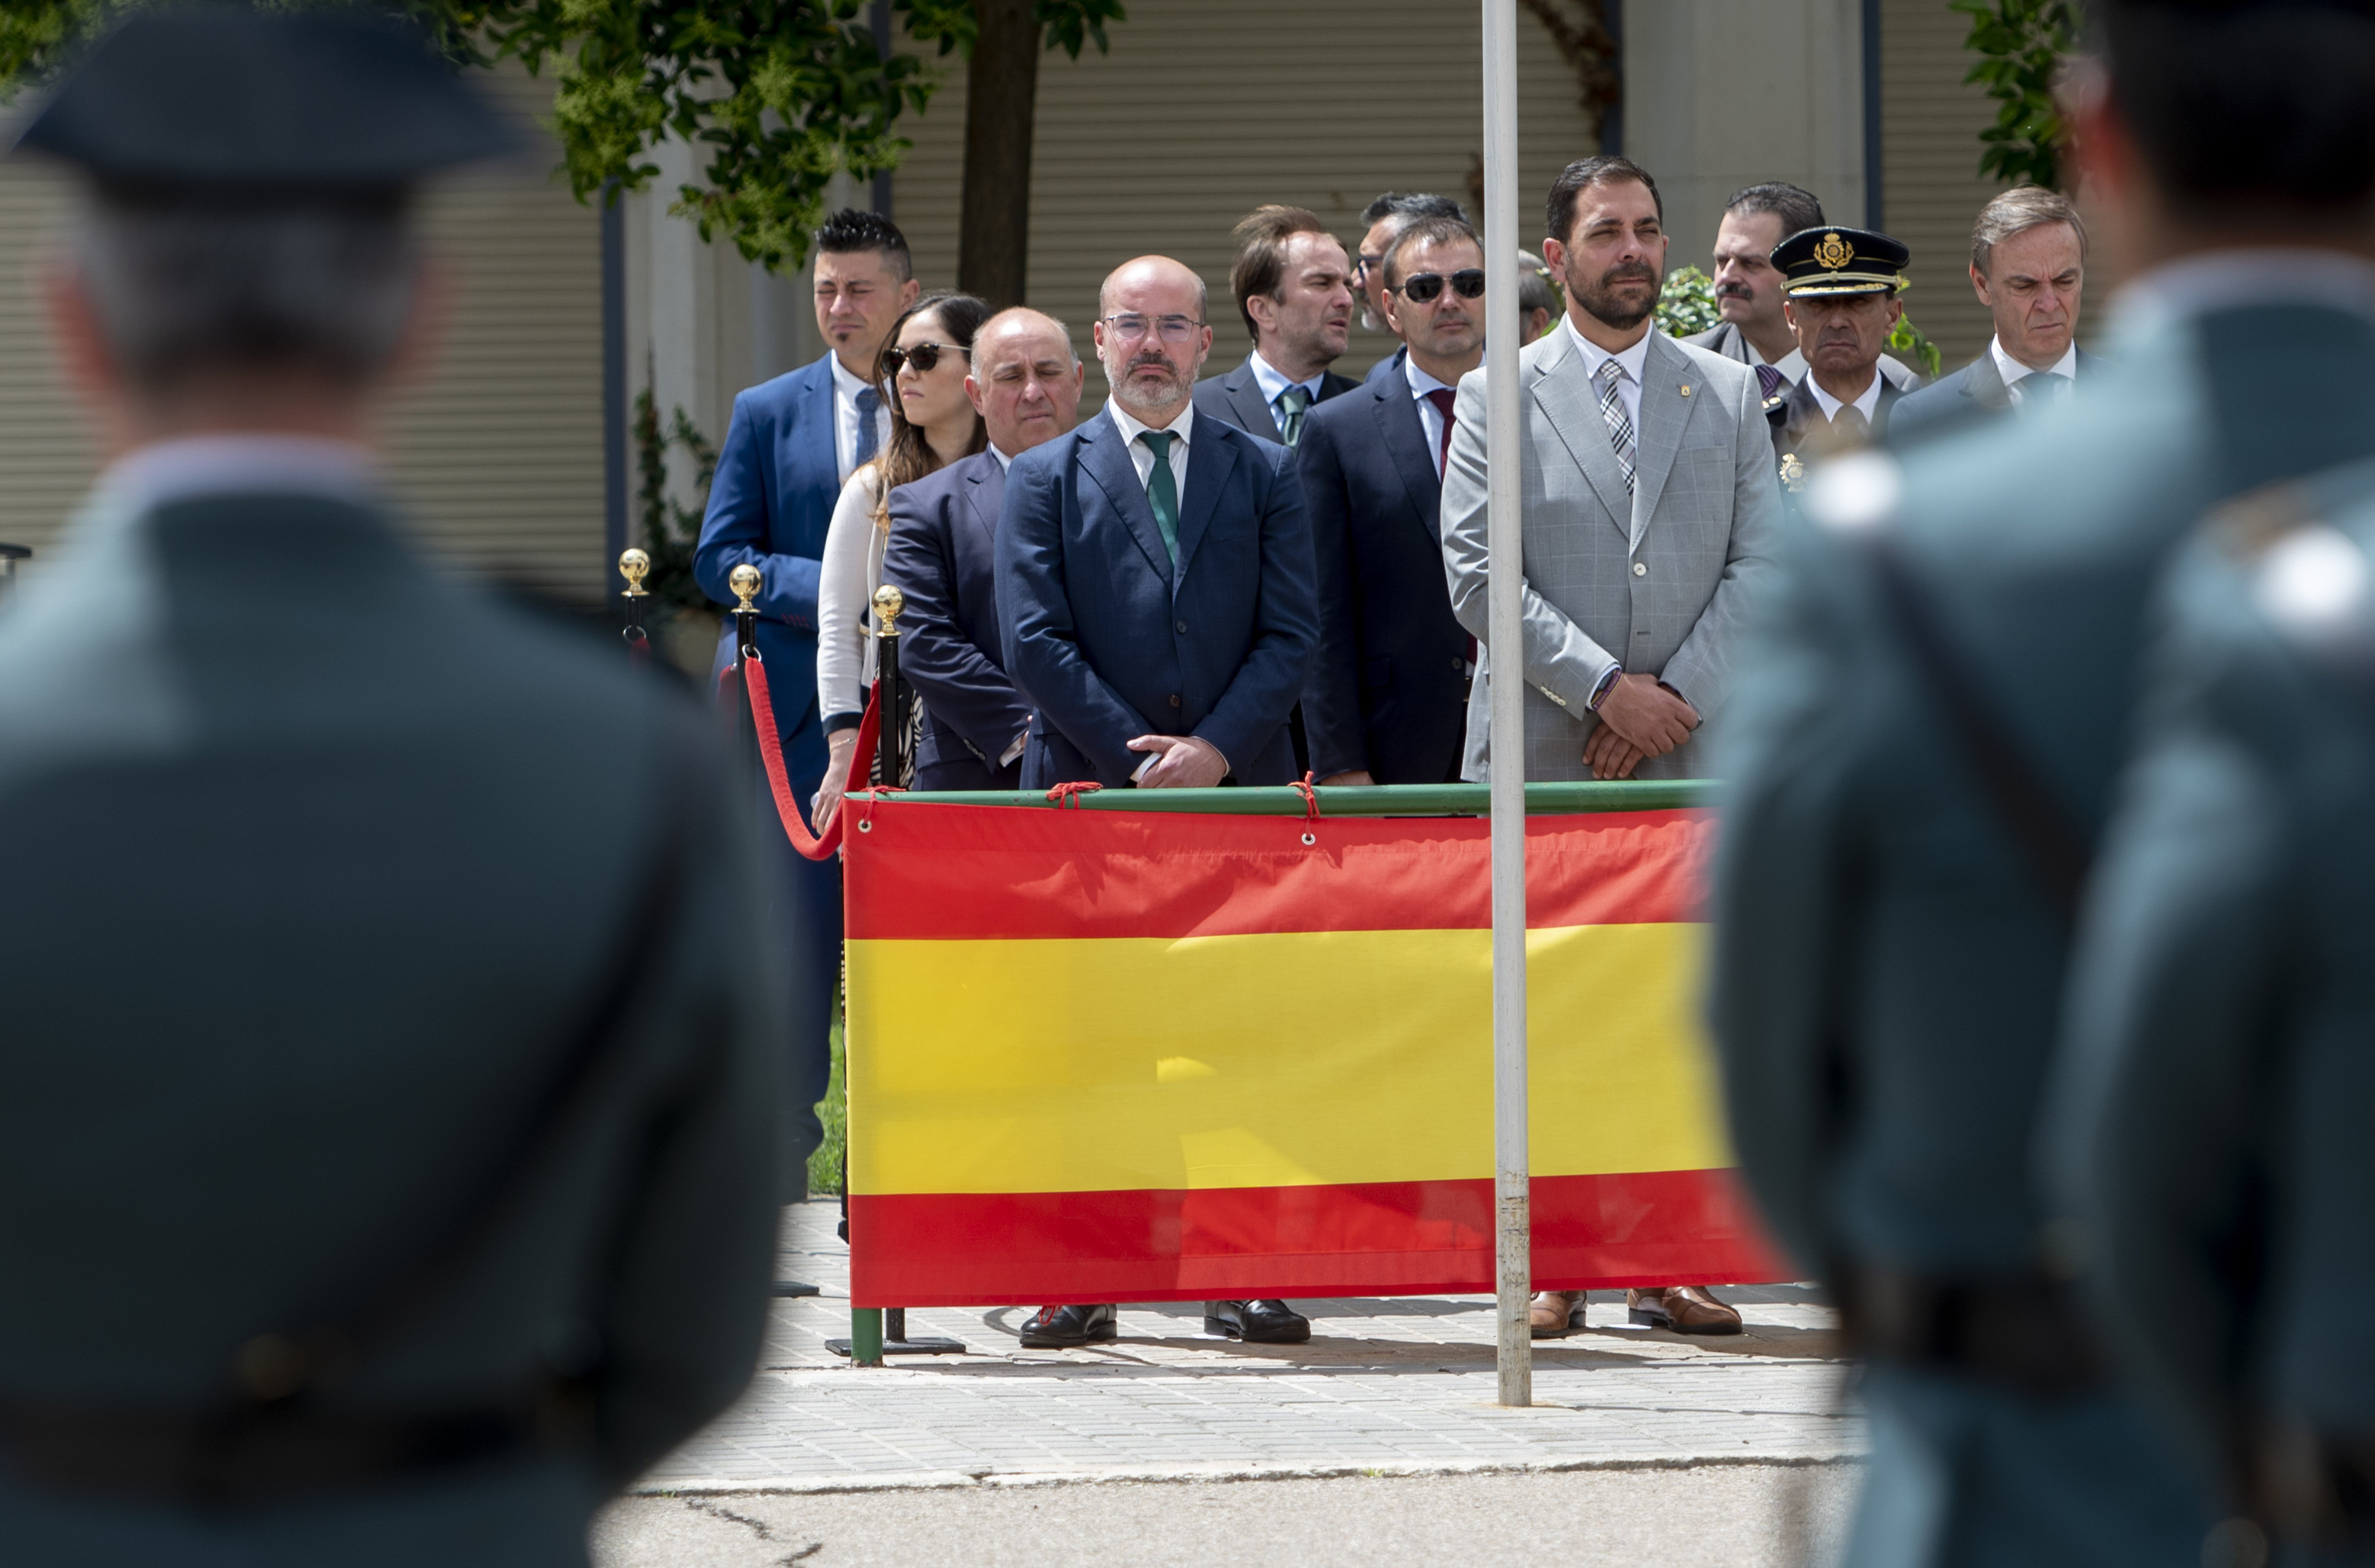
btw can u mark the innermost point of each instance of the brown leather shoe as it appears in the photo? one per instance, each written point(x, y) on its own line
point(1681, 1308)
point(1554, 1314)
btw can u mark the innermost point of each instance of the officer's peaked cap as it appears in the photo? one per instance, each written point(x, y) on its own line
point(1833, 260)
point(228, 96)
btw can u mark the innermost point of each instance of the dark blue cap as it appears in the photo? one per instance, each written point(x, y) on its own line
point(227, 97)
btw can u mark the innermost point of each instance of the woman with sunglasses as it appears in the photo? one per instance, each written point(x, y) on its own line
point(923, 367)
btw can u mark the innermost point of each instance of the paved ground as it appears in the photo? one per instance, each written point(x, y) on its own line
point(1397, 1387)
point(1734, 1516)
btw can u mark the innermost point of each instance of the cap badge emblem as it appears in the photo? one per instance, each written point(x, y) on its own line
point(1833, 253)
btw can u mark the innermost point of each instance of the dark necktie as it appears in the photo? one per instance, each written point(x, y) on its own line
point(1443, 399)
point(870, 403)
point(1291, 405)
point(1163, 491)
point(1770, 381)
point(1849, 425)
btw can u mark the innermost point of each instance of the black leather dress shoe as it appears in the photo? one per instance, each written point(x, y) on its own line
point(1060, 1327)
point(1257, 1322)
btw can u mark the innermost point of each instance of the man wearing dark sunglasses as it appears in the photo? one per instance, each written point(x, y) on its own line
point(1293, 285)
point(1387, 699)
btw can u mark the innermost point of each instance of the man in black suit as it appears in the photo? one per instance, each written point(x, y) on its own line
point(1387, 699)
point(1840, 289)
point(1293, 285)
point(943, 555)
point(2028, 264)
point(1384, 221)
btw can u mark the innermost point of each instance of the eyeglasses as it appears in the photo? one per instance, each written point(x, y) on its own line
point(925, 356)
point(1363, 265)
point(1420, 287)
point(1175, 329)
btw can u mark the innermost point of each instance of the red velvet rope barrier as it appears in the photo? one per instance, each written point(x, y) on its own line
point(815, 847)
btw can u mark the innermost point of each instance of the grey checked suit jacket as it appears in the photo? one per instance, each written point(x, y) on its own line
point(1701, 526)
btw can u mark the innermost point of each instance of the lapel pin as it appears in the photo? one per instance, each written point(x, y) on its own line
point(1686, 389)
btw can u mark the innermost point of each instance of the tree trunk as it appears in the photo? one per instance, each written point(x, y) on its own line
point(1001, 90)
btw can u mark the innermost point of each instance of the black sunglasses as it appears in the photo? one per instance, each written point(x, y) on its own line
point(925, 356)
point(1420, 287)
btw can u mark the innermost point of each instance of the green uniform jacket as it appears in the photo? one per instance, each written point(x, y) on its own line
point(316, 864)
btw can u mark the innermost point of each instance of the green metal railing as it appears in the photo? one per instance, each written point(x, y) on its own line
point(1378, 800)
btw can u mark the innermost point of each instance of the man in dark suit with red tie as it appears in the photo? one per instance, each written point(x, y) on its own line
point(1387, 699)
point(943, 555)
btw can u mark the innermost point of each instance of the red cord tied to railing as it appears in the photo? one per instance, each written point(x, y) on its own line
point(814, 846)
point(1069, 793)
point(1310, 808)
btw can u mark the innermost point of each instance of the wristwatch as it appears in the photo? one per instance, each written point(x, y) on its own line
point(1601, 691)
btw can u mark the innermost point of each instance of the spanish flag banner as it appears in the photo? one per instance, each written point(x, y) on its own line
point(1123, 1056)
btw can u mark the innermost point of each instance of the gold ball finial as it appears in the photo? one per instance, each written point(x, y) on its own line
point(634, 566)
point(745, 581)
point(887, 602)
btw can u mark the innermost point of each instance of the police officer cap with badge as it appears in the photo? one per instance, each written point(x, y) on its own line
point(1840, 289)
point(390, 1132)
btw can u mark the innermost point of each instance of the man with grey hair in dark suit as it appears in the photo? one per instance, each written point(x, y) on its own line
point(2028, 267)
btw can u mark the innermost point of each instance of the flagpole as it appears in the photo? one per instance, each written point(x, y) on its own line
point(1512, 1219)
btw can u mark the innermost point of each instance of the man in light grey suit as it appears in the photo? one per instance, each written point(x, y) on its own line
point(1650, 510)
point(1650, 506)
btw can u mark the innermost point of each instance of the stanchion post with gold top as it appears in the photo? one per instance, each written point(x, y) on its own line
point(634, 566)
point(887, 602)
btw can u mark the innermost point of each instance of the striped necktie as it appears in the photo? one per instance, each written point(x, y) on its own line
point(1620, 423)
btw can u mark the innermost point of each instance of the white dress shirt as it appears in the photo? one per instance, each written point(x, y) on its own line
point(1867, 402)
point(1635, 361)
point(1430, 418)
point(848, 421)
point(1004, 462)
point(2014, 373)
point(1273, 383)
point(1142, 456)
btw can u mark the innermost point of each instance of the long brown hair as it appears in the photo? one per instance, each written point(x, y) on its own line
point(908, 457)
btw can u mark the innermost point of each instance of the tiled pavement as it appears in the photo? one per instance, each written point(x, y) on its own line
point(1405, 1384)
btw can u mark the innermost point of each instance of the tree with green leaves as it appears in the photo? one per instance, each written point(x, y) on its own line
point(780, 94)
point(2021, 45)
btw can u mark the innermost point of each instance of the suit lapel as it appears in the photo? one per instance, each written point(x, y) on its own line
point(984, 492)
point(818, 415)
point(1403, 430)
point(1245, 397)
point(1566, 399)
point(1985, 384)
point(1212, 458)
point(1105, 459)
point(1665, 371)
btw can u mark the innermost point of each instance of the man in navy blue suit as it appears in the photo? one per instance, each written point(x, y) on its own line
point(1026, 382)
point(1293, 285)
point(1155, 589)
point(792, 443)
point(1387, 700)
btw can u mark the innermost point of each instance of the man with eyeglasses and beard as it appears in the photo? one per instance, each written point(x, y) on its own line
point(1154, 596)
point(1387, 701)
point(1650, 517)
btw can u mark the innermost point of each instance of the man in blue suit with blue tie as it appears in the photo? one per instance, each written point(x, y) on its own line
point(943, 555)
point(793, 442)
point(1154, 588)
point(1388, 698)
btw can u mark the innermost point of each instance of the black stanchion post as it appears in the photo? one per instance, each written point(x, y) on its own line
point(10, 556)
point(887, 602)
point(634, 566)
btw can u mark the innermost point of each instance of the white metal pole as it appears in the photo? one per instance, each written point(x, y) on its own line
point(1513, 1222)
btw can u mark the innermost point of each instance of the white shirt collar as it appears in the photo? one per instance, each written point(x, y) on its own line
point(1635, 359)
point(1273, 381)
point(1421, 384)
point(1866, 404)
point(2196, 285)
point(2012, 370)
point(1004, 462)
point(167, 471)
point(1130, 427)
point(850, 385)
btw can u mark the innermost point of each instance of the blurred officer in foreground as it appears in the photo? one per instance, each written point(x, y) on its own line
point(1930, 734)
point(2218, 1091)
point(387, 1157)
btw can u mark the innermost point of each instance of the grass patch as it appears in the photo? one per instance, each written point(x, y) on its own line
point(824, 1165)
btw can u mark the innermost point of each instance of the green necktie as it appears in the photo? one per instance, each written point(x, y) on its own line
point(1162, 489)
point(1291, 405)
